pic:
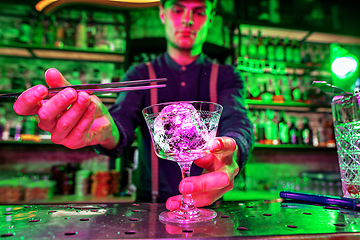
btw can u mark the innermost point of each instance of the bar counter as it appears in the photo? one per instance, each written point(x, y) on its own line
point(251, 220)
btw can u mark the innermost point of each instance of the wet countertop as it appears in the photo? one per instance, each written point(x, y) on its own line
point(254, 220)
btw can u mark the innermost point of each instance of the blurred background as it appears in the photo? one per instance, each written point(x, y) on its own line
point(279, 46)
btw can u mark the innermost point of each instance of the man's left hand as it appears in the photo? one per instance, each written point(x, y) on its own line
point(220, 168)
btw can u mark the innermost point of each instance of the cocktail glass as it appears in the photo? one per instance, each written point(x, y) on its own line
point(180, 132)
point(346, 116)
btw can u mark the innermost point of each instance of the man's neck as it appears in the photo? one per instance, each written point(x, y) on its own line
point(183, 57)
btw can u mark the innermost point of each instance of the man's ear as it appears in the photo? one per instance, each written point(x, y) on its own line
point(162, 13)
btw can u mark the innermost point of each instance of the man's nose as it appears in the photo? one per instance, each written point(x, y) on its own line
point(188, 18)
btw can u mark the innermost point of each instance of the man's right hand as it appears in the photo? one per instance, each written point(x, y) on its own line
point(74, 119)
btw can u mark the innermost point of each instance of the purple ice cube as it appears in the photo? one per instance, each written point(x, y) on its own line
point(179, 127)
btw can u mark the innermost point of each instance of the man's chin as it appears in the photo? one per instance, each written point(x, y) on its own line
point(185, 45)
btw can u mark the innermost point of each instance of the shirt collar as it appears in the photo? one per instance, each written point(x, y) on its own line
point(174, 65)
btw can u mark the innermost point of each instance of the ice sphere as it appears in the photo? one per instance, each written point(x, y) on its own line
point(179, 128)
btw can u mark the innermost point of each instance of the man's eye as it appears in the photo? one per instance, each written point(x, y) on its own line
point(200, 13)
point(176, 10)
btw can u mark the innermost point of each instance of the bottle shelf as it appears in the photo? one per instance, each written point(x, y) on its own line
point(67, 53)
point(288, 106)
point(318, 70)
point(73, 199)
point(290, 146)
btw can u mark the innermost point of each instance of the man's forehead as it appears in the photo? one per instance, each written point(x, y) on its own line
point(181, 2)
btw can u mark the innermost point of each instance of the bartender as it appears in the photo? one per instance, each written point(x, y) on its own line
point(76, 119)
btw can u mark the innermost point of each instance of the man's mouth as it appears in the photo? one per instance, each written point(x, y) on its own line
point(186, 33)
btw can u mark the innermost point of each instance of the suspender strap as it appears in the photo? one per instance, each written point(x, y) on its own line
point(213, 82)
point(154, 158)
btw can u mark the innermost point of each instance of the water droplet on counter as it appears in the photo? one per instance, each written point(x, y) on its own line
point(34, 220)
point(7, 235)
point(332, 208)
point(242, 228)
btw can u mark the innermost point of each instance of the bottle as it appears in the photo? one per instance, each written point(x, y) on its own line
point(39, 33)
point(96, 77)
point(270, 49)
point(293, 131)
point(306, 133)
point(295, 90)
point(245, 39)
point(2, 122)
point(5, 83)
point(255, 124)
point(25, 32)
point(261, 135)
point(279, 50)
point(289, 53)
point(51, 33)
point(69, 30)
point(266, 96)
point(254, 88)
point(271, 131)
point(277, 97)
point(321, 134)
point(81, 33)
point(296, 51)
point(18, 81)
point(261, 46)
point(306, 53)
point(283, 128)
point(92, 36)
point(252, 49)
point(38, 78)
point(60, 34)
point(75, 80)
point(329, 131)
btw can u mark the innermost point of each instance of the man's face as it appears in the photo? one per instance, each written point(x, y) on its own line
point(186, 22)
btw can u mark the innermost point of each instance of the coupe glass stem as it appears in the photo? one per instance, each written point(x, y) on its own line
point(187, 203)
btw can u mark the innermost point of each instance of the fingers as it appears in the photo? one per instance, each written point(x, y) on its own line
point(28, 103)
point(49, 112)
point(80, 135)
point(222, 145)
point(55, 79)
point(222, 148)
point(173, 202)
point(200, 199)
point(205, 182)
point(67, 121)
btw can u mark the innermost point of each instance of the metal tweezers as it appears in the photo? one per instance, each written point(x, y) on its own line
point(102, 88)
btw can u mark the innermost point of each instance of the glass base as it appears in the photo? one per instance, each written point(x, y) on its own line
point(181, 217)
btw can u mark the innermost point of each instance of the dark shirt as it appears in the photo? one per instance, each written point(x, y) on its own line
point(184, 84)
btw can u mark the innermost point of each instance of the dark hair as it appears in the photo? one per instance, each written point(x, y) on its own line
point(213, 3)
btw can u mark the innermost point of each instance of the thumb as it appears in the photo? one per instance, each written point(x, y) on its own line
point(55, 79)
point(222, 145)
